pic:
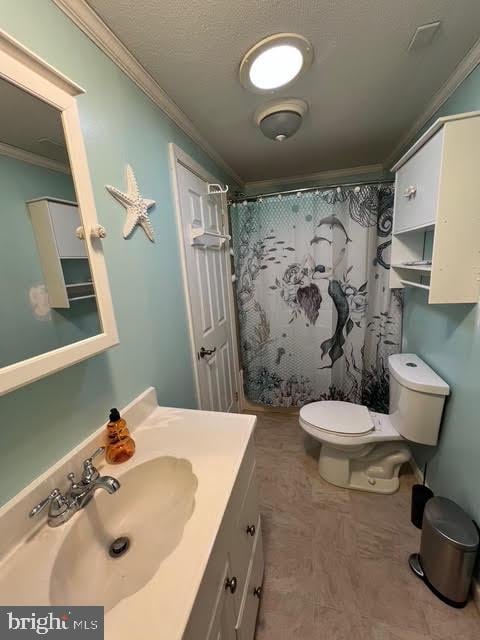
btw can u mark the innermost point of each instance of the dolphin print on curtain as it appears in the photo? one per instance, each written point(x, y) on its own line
point(317, 318)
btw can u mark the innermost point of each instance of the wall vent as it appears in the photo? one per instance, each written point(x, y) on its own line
point(423, 36)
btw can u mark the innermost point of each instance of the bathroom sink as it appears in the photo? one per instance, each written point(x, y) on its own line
point(145, 521)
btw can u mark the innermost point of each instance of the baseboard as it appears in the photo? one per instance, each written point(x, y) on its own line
point(476, 593)
point(253, 407)
point(417, 472)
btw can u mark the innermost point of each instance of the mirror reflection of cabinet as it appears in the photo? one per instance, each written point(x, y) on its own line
point(58, 308)
point(63, 256)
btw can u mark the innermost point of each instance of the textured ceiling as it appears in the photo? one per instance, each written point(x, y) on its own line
point(30, 124)
point(364, 88)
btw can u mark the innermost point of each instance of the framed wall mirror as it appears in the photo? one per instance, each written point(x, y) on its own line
point(55, 302)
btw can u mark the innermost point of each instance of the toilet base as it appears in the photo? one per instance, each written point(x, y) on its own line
point(369, 467)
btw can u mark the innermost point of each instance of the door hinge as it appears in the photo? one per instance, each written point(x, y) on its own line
point(236, 396)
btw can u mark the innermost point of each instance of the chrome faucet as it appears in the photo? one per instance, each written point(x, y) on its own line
point(63, 507)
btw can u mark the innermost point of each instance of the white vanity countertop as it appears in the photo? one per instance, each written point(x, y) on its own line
point(214, 444)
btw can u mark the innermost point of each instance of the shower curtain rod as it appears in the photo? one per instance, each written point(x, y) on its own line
point(304, 189)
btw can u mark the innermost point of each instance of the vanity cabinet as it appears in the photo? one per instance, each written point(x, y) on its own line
point(252, 593)
point(227, 603)
point(222, 626)
point(437, 212)
point(63, 255)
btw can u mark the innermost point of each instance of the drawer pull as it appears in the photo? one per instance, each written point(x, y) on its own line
point(258, 592)
point(231, 584)
point(410, 192)
point(251, 530)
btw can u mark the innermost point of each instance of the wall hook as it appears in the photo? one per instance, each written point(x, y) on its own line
point(218, 189)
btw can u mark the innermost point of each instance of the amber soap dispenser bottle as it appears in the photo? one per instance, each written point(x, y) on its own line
point(120, 444)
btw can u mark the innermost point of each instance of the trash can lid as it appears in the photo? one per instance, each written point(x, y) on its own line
point(452, 523)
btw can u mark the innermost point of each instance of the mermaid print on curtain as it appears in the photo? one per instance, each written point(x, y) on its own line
point(317, 318)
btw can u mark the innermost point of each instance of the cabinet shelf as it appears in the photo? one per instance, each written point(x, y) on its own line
point(418, 285)
point(425, 268)
point(79, 284)
point(76, 298)
point(429, 226)
point(80, 291)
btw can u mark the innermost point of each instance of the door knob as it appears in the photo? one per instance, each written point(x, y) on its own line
point(410, 192)
point(207, 352)
point(231, 584)
point(258, 592)
point(251, 530)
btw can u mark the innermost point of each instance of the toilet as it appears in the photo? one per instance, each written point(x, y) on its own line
point(364, 450)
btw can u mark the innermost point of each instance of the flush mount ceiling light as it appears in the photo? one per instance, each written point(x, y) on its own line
point(275, 62)
point(279, 120)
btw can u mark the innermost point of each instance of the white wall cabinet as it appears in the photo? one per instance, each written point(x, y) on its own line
point(55, 223)
point(227, 603)
point(65, 219)
point(435, 193)
point(417, 209)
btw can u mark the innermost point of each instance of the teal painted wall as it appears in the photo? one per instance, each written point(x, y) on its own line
point(42, 421)
point(448, 338)
point(22, 333)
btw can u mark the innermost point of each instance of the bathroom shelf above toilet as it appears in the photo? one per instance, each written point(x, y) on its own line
point(63, 256)
point(436, 213)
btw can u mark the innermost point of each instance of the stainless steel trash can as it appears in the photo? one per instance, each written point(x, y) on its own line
point(448, 550)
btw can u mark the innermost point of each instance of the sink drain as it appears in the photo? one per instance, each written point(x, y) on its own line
point(119, 547)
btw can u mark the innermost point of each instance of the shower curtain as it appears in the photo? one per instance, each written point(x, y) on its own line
point(317, 318)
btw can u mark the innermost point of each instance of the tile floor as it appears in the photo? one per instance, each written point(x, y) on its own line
point(336, 560)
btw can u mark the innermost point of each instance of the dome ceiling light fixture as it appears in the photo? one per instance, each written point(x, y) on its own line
point(281, 119)
point(275, 62)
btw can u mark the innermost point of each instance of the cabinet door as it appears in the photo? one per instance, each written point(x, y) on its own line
point(222, 626)
point(420, 177)
point(65, 220)
point(247, 619)
point(245, 535)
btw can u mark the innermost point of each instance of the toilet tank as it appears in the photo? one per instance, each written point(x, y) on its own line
point(417, 396)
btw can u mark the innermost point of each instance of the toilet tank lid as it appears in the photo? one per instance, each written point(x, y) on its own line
point(412, 372)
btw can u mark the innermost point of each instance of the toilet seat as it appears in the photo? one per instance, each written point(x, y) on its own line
point(336, 417)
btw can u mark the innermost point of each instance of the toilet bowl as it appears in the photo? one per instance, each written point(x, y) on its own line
point(364, 450)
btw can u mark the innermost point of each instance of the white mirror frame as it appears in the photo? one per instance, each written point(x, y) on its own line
point(29, 72)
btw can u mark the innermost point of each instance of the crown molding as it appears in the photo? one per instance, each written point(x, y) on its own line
point(429, 133)
point(309, 178)
point(462, 71)
point(86, 19)
point(18, 51)
point(33, 158)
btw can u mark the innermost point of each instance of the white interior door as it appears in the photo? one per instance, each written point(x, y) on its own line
point(209, 293)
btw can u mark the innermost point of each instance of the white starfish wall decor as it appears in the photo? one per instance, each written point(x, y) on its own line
point(136, 206)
